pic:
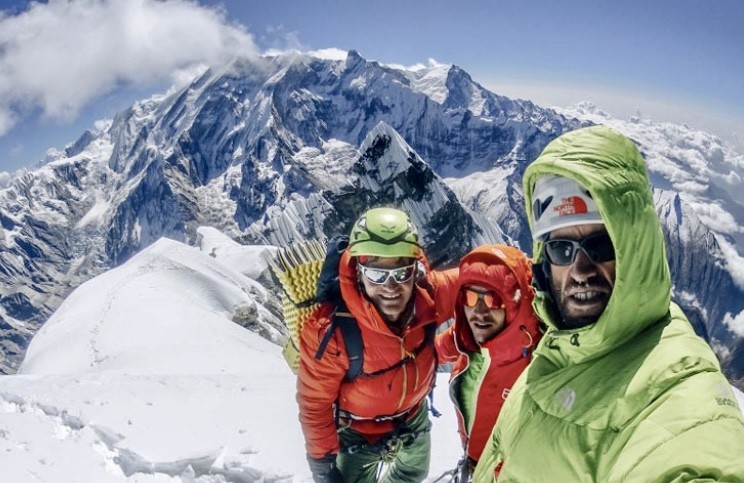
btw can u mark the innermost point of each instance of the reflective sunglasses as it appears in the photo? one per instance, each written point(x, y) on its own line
point(380, 276)
point(471, 297)
point(597, 247)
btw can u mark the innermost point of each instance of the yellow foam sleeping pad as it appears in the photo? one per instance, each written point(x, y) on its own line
point(298, 268)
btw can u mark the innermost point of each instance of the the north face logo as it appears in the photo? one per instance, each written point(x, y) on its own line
point(571, 205)
point(539, 207)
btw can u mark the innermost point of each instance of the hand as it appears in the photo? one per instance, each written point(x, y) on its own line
point(466, 470)
point(471, 467)
point(324, 469)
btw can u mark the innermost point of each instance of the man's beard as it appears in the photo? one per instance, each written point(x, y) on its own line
point(570, 321)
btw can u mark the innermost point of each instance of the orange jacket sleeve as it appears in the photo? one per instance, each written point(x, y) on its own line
point(445, 344)
point(444, 291)
point(318, 383)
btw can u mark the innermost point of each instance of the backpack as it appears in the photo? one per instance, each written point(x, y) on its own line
point(308, 274)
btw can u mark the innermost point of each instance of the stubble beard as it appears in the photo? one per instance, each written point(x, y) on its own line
point(569, 320)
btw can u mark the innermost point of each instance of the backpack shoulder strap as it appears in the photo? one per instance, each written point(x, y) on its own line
point(352, 335)
point(431, 332)
point(354, 345)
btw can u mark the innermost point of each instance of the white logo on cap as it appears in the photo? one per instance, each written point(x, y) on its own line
point(571, 205)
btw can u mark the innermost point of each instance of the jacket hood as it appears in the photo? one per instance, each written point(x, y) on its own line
point(612, 169)
point(506, 271)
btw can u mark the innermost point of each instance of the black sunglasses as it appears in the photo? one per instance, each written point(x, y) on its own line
point(562, 252)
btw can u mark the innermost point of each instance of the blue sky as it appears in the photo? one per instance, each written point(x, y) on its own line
point(65, 64)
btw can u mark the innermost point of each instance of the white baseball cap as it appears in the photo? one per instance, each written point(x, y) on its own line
point(559, 202)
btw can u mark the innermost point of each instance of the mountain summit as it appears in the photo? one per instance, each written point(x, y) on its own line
point(280, 148)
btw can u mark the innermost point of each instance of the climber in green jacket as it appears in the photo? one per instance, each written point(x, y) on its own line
point(620, 388)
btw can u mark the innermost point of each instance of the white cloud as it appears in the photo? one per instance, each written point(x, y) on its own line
point(715, 217)
point(57, 57)
point(734, 262)
point(624, 104)
point(280, 40)
point(4, 178)
point(431, 64)
point(735, 324)
point(330, 54)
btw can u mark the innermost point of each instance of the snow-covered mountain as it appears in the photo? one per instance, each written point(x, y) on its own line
point(279, 148)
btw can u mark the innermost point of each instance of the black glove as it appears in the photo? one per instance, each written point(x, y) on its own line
point(324, 469)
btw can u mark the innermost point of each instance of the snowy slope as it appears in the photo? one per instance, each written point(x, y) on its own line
point(142, 376)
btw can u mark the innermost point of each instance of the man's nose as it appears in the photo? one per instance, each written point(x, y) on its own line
point(582, 264)
point(390, 282)
point(481, 307)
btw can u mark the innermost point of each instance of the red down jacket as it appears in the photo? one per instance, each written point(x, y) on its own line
point(321, 383)
point(506, 271)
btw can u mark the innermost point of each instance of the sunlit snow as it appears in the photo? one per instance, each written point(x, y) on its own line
point(141, 375)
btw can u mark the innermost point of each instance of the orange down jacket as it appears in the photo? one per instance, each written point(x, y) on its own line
point(506, 271)
point(370, 399)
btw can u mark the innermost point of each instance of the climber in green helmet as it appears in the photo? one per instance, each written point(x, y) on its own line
point(353, 427)
point(386, 247)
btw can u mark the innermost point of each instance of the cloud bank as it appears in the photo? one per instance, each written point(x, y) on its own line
point(57, 57)
point(735, 324)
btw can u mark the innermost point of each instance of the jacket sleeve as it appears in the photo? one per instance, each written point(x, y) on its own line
point(445, 344)
point(692, 431)
point(445, 286)
point(318, 384)
point(687, 457)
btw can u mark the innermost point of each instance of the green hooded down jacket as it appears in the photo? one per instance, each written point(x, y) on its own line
point(636, 396)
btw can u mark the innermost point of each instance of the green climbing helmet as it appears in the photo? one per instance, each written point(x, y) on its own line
point(384, 232)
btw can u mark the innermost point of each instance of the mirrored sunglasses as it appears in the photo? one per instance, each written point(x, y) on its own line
point(597, 247)
point(471, 297)
point(380, 276)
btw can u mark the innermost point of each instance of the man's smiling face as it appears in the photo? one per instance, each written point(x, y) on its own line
point(390, 297)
